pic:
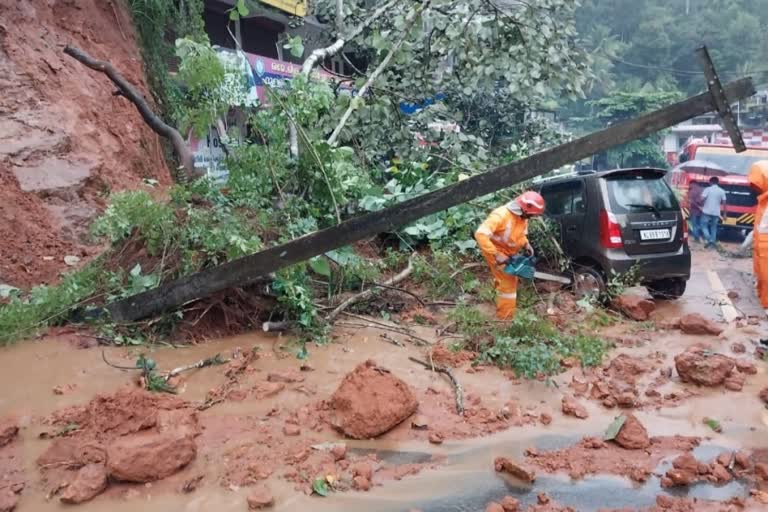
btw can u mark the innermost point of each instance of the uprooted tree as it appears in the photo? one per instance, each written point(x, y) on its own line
point(476, 69)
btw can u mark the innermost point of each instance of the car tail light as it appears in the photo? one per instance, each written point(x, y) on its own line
point(685, 227)
point(610, 231)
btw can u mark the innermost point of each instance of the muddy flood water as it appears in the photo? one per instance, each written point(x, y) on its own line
point(245, 440)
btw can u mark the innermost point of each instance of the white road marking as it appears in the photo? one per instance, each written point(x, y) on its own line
point(726, 306)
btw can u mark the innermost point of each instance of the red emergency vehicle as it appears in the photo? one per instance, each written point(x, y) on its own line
point(706, 160)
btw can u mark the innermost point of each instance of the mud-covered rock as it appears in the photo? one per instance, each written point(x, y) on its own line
point(286, 377)
point(510, 504)
point(8, 500)
point(8, 431)
point(149, 456)
point(436, 438)
point(694, 323)
point(90, 481)
point(761, 471)
point(635, 307)
point(720, 474)
point(573, 408)
point(371, 401)
point(699, 366)
point(361, 483)
point(742, 459)
point(745, 366)
point(633, 435)
point(516, 469)
point(738, 348)
point(494, 507)
point(260, 497)
point(735, 382)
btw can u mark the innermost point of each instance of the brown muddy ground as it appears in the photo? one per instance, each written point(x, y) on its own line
point(273, 412)
point(66, 141)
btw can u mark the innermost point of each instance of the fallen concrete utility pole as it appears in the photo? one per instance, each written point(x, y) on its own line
point(248, 269)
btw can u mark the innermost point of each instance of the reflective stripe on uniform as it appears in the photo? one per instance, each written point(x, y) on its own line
point(482, 230)
point(507, 232)
point(508, 295)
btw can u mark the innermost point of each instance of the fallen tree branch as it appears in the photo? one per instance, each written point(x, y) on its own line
point(153, 120)
point(321, 54)
point(410, 20)
point(279, 326)
point(457, 389)
point(367, 293)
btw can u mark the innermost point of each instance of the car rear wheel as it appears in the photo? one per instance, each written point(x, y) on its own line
point(667, 289)
point(588, 281)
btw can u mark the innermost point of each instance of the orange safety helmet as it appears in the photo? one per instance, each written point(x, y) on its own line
point(531, 203)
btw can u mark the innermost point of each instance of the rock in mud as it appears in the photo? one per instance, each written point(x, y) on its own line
point(572, 408)
point(761, 471)
point(510, 504)
point(339, 452)
point(363, 469)
point(745, 366)
point(738, 348)
point(8, 430)
point(521, 471)
point(436, 438)
point(291, 430)
point(150, 456)
point(742, 459)
point(685, 471)
point(545, 418)
point(371, 401)
point(494, 507)
point(720, 474)
point(90, 481)
point(8, 500)
point(635, 307)
point(361, 483)
point(633, 435)
point(694, 323)
point(698, 366)
point(735, 382)
point(260, 497)
point(286, 377)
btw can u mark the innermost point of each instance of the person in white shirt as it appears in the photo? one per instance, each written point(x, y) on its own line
point(713, 199)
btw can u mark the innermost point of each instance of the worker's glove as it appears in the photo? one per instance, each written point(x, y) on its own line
point(529, 250)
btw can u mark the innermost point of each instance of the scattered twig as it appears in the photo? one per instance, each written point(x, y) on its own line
point(104, 357)
point(153, 120)
point(458, 390)
point(390, 339)
point(209, 361)
point(401, 290)
point(466, 267)
point(419, 341)
point(367, 293)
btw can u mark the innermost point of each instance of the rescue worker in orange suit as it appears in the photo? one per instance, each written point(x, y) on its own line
point(758, 178)
point(502, 235)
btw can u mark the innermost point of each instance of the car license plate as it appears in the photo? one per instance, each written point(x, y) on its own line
point(655, 234)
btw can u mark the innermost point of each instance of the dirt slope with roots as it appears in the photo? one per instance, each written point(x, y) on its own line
point(65, 140)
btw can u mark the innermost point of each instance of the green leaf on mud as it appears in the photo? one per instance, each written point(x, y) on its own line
point(320, 486)
point(320, 266)
point(613, 429)
point(713, 424)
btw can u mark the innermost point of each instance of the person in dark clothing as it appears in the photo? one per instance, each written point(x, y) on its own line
point(695, 203)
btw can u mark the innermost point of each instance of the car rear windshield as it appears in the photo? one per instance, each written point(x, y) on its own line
point(640, 193)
